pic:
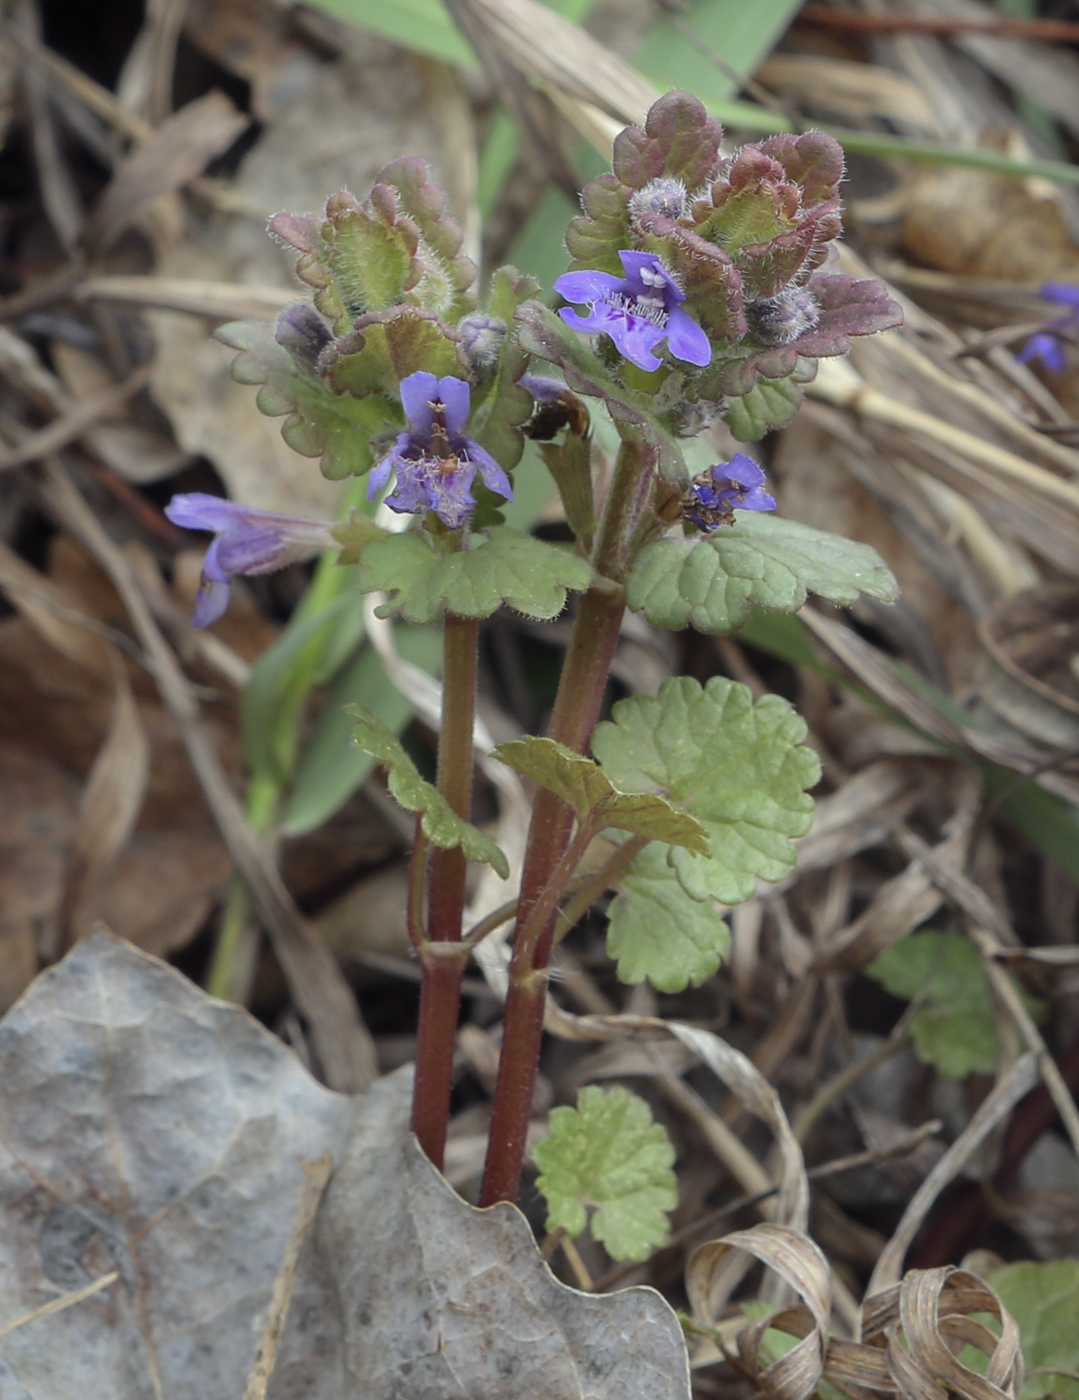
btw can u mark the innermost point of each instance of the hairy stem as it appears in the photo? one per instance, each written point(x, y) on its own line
point(441, 955)
point(577, 706)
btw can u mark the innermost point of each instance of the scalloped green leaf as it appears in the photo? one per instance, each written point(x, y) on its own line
point(737, 764)
point(955, 1030)
point(712, 583)
point(610, 1156)
point(441, 825)
point(657, 931)
point(771, 403)
point(1044, 1300)
point(321, 423)
point(584, 785)
point(506, 566)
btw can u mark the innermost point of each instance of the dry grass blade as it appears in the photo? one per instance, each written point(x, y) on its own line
point(316, 982)
point(59, 1304)
point(926, 1318)
point(839, 384)
point(230, 301)
point(316, 1175)
point(906, 901)
point(541, 44)
point(798, 1261)
point(109, 807)
point(179, 149)
point(1019, 1080)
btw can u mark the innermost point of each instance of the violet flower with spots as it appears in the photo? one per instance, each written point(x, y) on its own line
point(435, 463)
point(1046, 345)
point(637, 311)
point(717, 493)
point(246, 541)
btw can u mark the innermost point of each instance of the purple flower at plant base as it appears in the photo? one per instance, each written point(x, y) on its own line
point(246, 541)
point(434, 462)
point(714, 496)
point(1046, 347)
point(637, 311)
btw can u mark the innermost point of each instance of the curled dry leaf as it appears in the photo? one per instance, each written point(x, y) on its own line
point(177, 1129)
point(799, 1262)
point(180, 147)
point(932, 1312)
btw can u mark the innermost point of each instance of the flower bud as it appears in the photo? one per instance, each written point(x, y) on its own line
point(482, 338)
point(783, 318)
point(664, 196)
point(303, 331)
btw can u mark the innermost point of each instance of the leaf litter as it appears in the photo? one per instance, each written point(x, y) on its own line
point(936, 447)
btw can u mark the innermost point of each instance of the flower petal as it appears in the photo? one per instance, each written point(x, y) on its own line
point(211, 601)
point(197, 510)
point(582, 287)
point(456, 397)
point(1065, 292)
point(635, 263)
point(755, 499)
point(636, 338)
point(686, 340)
point(418, 392)
point(592, 324)
point(742, 469)
point(492, 475)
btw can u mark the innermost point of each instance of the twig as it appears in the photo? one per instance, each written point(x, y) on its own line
point(59, 1304)
point(1066, 31)
point(317, 984)
point(316, 1175)
point(57, 435)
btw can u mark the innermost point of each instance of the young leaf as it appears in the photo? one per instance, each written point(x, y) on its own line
point(441, 825)
point(588, 790)
point(1044, 1300)
point(657, 931)
point(771, 403)
point(608, 1153)
point(505, 567)
point(712, 583)
point(736, 764)
point(956, 1029)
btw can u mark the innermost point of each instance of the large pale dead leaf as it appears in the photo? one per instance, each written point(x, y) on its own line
point(148, 1130)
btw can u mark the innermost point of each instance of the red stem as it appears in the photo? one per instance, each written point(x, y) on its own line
point(442, 959)
point(580, 696)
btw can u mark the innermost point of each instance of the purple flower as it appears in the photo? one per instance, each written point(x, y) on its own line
point(714, 496)
point(434, 462)
point(1048, 348)
point(1045, 345)
point(246, 541)
point(637, 311)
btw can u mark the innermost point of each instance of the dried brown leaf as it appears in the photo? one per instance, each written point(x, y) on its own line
point(180, 147)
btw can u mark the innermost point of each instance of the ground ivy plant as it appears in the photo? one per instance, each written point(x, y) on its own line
point(700, 291)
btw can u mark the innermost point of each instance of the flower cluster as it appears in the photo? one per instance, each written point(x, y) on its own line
point(714, 495)
point(1047, 345)
point(637, 311)
point(734, 247)
point(433, 462)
